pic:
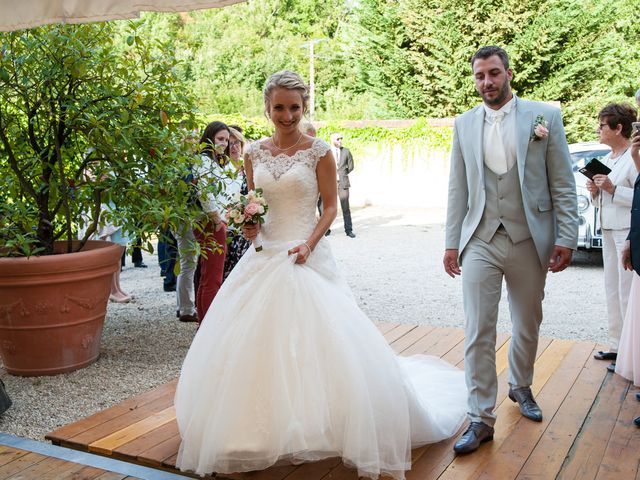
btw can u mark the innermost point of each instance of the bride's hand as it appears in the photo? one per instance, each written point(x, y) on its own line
point(250, 231)
point(302, 252)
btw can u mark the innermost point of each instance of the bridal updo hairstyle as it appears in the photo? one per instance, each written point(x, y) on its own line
point(290, 81)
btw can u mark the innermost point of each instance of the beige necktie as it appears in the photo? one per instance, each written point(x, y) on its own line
point(495, 156)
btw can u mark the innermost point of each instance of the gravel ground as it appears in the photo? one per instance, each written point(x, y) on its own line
point(393, 267)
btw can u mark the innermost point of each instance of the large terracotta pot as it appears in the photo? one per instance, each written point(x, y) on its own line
point(52, 308)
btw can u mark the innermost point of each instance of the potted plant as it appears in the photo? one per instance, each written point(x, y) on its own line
point(90, 115)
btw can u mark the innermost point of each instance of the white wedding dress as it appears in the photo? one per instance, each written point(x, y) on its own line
point(285, 366)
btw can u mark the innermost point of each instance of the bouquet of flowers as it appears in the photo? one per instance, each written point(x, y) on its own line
point(248, 209)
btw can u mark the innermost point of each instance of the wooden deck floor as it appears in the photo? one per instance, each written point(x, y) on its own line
point(587, 432)
point(25, 459)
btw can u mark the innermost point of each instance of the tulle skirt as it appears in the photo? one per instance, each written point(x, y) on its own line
point(628, 361)
point(286, 367)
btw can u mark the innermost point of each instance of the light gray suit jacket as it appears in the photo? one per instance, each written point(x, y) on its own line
point(546, 180)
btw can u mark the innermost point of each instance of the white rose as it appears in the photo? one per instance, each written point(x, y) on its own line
point(260, 209)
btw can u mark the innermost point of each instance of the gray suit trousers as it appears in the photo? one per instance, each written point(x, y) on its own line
point(483, 267)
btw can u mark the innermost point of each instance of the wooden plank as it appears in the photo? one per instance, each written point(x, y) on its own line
point(502, 357)
point(38, 470)
point(73, 429)
point(410, 338)
point(469, 466)
point(9, 454)
point(446, 342)
point(547, 457)
point(171, 461)
point(158, 454)
point(456, 355)
point(82, 440)
point(314, 470)
point(385, 327)
point(426, 343)
point(566, 382)
point(107, 444)
point(434, 460)
point(113, 476)
point(147, 441)
point(86, 473)
point(342, 472)
point(278, 472)
point(398, 332)
point(583, 460)
point(69, 470)
point(20, 464)
point(622, 454)
point(503, 378)
point(511, 456)
point(439, 456)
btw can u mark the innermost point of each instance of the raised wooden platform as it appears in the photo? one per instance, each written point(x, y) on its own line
point(587, 432)
point(22, 458)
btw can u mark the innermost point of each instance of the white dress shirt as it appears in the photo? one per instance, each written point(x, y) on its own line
point(508, 135)
point(336, 154)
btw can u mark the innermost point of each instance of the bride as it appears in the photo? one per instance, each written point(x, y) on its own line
point(285, 366)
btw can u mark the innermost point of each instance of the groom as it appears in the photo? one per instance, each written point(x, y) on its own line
point(511, 214)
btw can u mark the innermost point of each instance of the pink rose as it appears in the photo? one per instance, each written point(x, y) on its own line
point(541, 131)
point(251, 209)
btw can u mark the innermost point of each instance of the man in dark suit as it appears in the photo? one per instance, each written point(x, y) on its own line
point(631, 250)
point(344, 164)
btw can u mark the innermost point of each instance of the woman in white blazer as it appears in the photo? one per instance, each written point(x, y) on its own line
point(613, 194)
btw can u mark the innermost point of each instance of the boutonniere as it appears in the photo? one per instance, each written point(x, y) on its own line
point(540, 129)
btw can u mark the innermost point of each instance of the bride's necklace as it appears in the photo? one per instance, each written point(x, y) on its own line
point(273, 140)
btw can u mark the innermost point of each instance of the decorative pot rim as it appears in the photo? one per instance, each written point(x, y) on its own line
point(59, 262)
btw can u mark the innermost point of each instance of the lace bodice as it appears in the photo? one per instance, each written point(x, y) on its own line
point(290, 188)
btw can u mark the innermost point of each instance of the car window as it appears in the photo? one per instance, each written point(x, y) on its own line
point(579, 159)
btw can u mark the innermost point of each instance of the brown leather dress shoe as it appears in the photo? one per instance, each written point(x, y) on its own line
point(528, 406)
point(476, 433)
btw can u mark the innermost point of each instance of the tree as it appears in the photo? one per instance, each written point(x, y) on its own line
point(579, 52)
point(88, 117)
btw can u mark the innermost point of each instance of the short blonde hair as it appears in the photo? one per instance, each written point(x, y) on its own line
point(237, 135)
point(288, 80)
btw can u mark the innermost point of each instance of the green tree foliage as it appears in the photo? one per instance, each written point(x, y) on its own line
point(89, 116)
point(227, 54)
point(583, 53)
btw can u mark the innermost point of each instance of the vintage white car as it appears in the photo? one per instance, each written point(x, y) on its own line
point(589, 231)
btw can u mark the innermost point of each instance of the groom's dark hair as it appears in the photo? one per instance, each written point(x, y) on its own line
point(489, 51)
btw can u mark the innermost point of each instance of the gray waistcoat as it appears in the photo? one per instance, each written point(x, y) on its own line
point(503, 206)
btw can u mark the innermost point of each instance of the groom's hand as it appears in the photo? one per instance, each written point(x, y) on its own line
point(450, 262)
point(560, 258)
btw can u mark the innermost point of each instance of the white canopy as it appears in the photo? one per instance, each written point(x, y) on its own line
point(17, 14)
